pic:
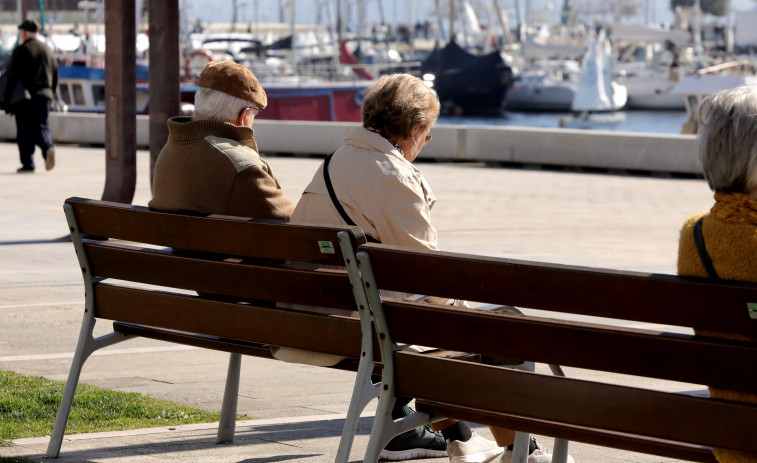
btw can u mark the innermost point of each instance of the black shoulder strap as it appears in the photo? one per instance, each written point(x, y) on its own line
point(702, 250)
point(335, 200)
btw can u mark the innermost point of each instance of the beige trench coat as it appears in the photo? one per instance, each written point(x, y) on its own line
point(382, 192)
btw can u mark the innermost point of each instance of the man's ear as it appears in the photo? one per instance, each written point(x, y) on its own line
point(240, 118)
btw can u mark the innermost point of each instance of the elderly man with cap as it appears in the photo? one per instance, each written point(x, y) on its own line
point(210, 163)
point(34, 65)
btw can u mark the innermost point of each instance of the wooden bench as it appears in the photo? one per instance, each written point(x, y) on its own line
point(597, 403)
point(215, 282)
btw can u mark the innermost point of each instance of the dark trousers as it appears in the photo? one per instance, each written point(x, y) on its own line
point(32, 128)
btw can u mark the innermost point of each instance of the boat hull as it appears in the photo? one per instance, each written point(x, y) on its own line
point(335, 103)
point(541, 96)
point(466, 83)
point(83, 90)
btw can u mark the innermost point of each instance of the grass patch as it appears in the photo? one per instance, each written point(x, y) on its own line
point(28, 406)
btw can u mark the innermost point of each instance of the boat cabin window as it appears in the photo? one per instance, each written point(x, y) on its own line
point(65, 94)
point(78, 94)
point(98, 92)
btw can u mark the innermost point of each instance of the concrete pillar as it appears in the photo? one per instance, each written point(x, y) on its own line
point(165, 93)
point(120, 102)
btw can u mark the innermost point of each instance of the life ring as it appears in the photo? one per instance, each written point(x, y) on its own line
point(195, 63)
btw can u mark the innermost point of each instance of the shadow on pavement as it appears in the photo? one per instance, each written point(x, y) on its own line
point(248, 441)
point(62, 239)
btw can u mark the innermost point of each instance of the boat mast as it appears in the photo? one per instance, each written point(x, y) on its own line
point(334, 33)
point(360, 25)
point(503, 22)
point(697, 29)
point(292, 27)
point(452, 9)
point(439, 23)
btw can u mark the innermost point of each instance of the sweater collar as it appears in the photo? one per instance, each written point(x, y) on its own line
point(735, 207)
point(364, 138)
point(184, 129)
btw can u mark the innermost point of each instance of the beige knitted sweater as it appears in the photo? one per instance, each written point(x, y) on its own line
point(732, 246)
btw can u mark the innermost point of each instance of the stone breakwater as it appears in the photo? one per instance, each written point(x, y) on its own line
point(575, 149)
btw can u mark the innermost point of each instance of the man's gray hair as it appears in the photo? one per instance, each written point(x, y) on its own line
point(727, 139)
point(219, 106)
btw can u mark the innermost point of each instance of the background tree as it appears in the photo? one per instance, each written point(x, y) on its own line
point(713, 7)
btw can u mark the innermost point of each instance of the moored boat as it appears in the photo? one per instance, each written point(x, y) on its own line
point(466, 83)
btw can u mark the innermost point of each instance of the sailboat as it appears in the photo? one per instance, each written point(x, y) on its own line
point(597, 96)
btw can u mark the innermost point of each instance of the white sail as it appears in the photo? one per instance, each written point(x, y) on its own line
point(596, 91)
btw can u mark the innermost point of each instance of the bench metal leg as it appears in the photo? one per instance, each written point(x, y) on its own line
point(385, 428)
point(560, 448)
point(363, 392)
point(84, 348)
point(230, 397)
point(560, 451)
point(520, 447)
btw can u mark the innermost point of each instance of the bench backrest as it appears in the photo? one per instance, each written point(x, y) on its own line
point(147, 267)
point(569, 407)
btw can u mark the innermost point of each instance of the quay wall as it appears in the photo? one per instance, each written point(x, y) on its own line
point(588, 149)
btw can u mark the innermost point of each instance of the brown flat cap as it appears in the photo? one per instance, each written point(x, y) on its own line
point(233, 79)
point(30, 25)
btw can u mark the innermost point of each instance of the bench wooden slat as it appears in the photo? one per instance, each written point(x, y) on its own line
point(234, 236)
point(578, 402)
point(337, 334)
point(215, 343)
point(157, 267)
point(690, 302)
point(677, 357)
point(600, 437)
point(192, 339)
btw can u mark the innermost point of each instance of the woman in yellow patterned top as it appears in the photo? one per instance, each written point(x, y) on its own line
point(727, 144)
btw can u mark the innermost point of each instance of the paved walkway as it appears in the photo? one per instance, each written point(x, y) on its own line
point(587, 219)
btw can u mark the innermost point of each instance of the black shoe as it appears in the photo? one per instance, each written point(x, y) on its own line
point(417, 443)
point(25, 170)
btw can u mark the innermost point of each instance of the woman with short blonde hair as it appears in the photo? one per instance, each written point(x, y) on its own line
point(372, 175)
point(397, 104)
point(371, 182)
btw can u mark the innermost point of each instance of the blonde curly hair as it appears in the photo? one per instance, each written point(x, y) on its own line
point(397, 103)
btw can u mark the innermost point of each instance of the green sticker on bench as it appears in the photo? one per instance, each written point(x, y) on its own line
point(327, 247)
point(752, 306)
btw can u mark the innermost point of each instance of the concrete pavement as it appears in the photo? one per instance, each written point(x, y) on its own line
point(607, 220)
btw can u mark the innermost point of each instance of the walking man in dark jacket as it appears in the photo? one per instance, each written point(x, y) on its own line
point(33, 63)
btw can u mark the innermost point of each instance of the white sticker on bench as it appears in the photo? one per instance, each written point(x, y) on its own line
point(327, 247)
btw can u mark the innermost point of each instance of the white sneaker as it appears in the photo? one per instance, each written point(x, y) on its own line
point(539, 455)
point(475, 450)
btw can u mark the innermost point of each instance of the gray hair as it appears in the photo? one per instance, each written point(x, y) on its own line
point(219, 106)
point(727, 139)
